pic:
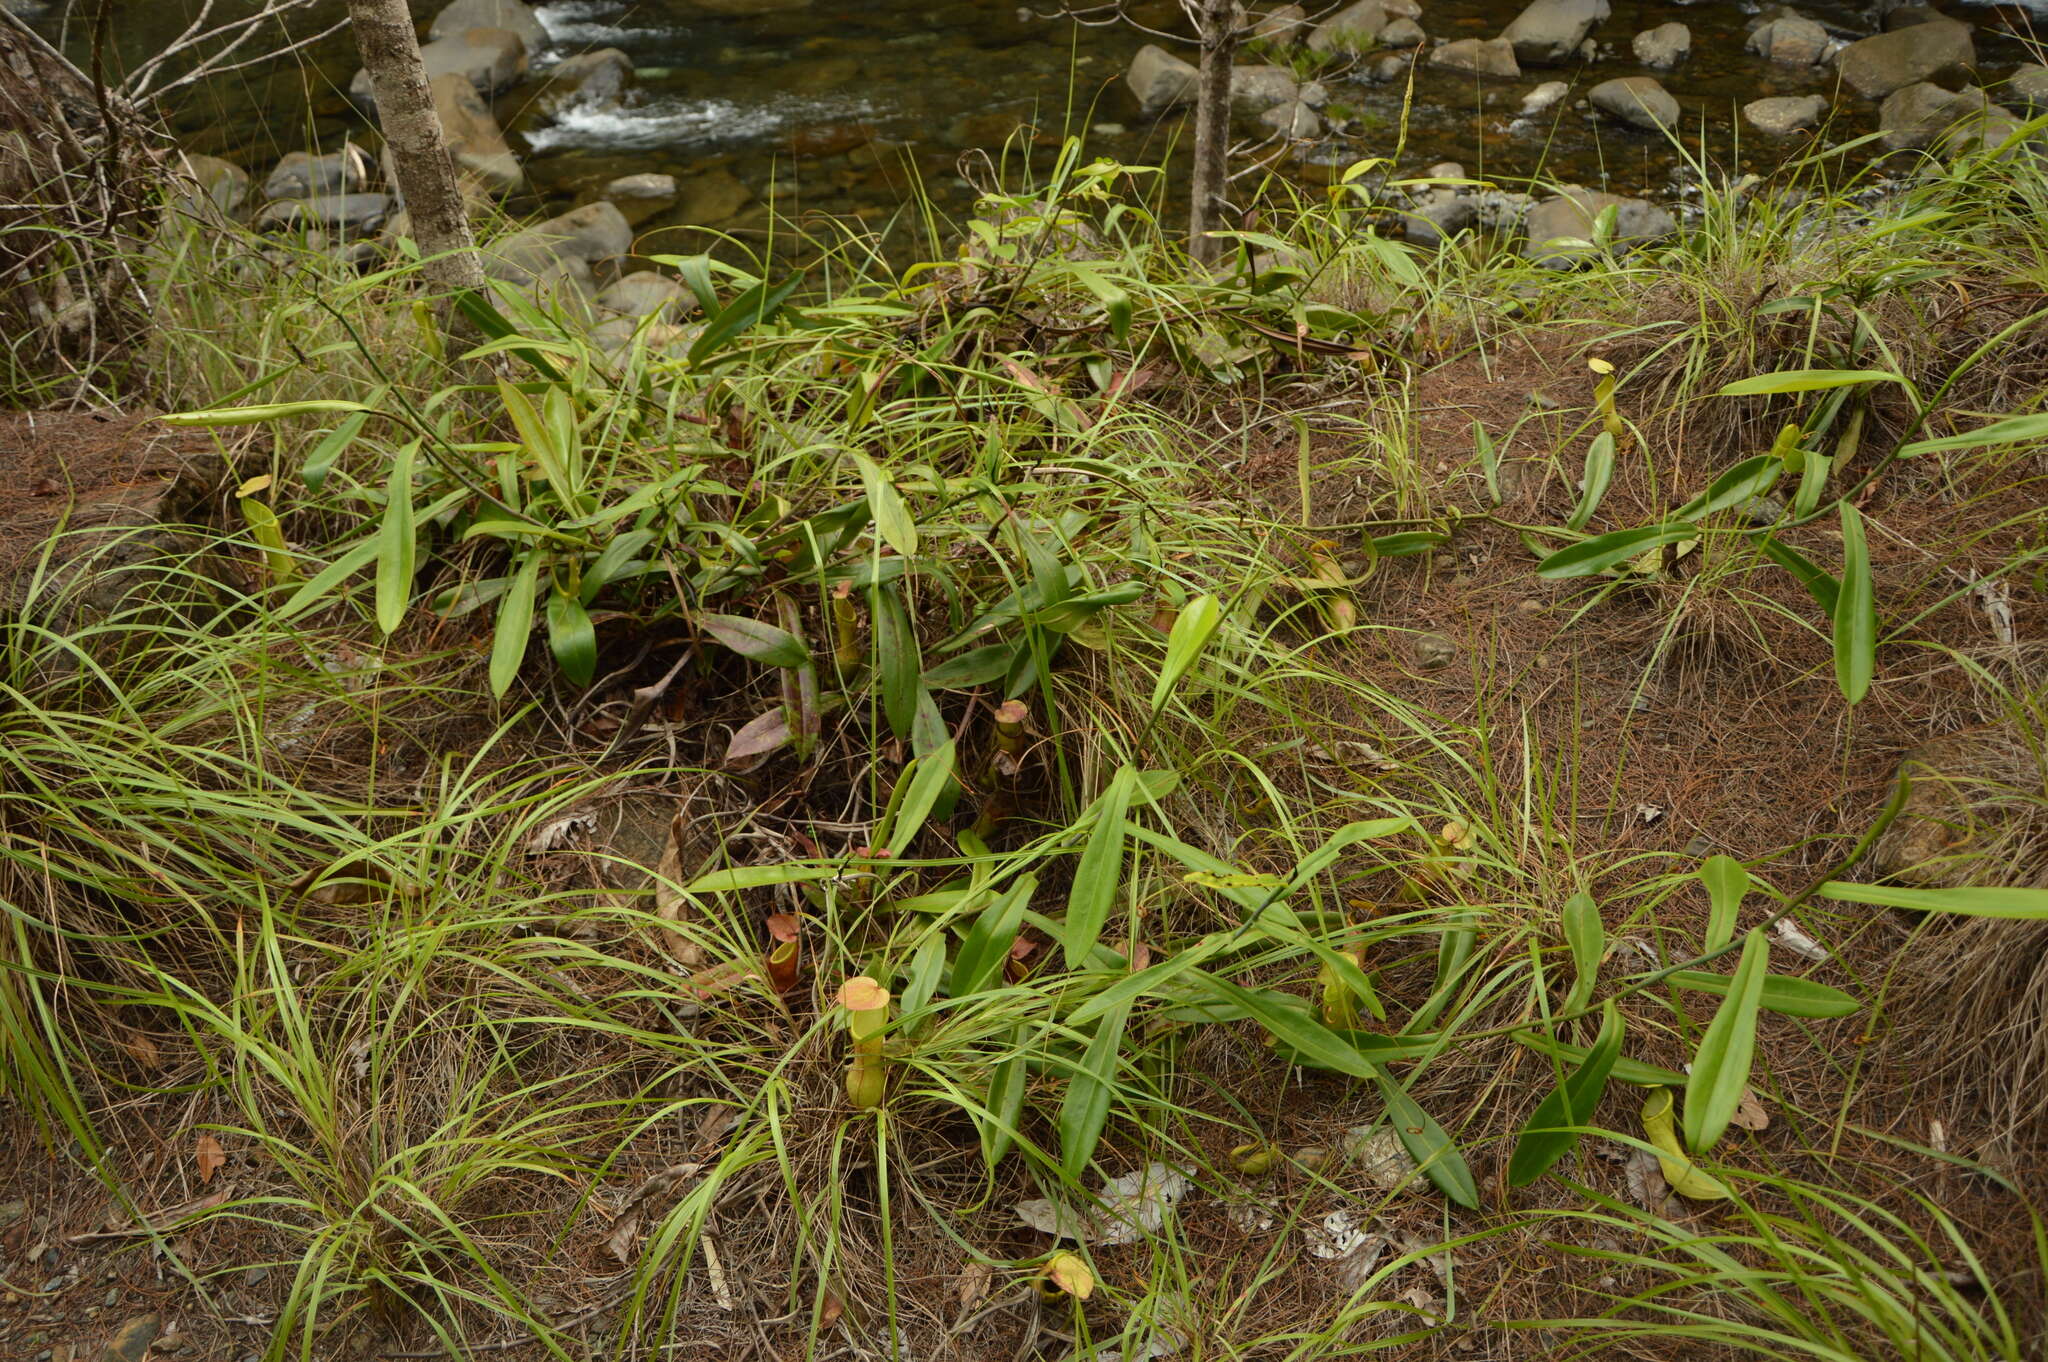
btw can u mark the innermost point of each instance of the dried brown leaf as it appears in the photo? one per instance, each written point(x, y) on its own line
point(210, 1157)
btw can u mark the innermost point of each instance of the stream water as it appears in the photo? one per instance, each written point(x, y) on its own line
point(838, 106)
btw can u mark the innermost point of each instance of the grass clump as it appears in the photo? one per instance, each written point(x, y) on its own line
point(1051, 800)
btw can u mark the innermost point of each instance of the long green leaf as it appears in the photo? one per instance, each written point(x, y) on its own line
point(1006, 1090)
point(2012, 430)
point(1750, 478)
point(260, 413)
point(1099, 873)
point(1551, 1129)
point(1192, 629)
point(1294, 1028)
point(892, 518)
point(1818, 583)
point(515, 624)
point(753, 307)
point(1429, 1144)
point(987, 945)
point(1085, 1109)
point(1627, 1070)
point(2020, 905)
point(1855, 612)
point(1598, 474)
point(976, 667)
point(1727, 883)
point(898, 660)
point(397, 544)
point(756, 640)
point(1784, 994)
point(1720, 1069)
point(1586, 934)
point(1603, 551)
point(330, 577)
point(571, 637)
point(927, 777)
point(1806, 381)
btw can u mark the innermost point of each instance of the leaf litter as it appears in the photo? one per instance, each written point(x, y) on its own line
point(1133, 1206)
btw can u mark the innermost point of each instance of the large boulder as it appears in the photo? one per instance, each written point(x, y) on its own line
point(1790, 40)
point(1663, 47)
point(1569, 218)
point(1876, 66)
point(1550, 32)
point(473, 137)
point(1283, 27)
point(1160, 81)
point(491, 59)
point(1486, 56)
point(514, 16)
point(584, 236)
point(1357, 27)
point(1785, 114)
point(2029, 85)
point(589, 78)
point(301, 175)
point(1255, 89)
point(1637, 100)
point(1915, 115)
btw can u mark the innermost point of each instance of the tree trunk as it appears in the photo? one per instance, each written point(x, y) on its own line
point(419, 153)
point(1212, 128)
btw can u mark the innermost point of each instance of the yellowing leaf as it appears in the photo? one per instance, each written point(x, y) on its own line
point(1070, 1274)
point(1685, 1179)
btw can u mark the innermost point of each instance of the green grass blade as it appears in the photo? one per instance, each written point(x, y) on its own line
point(1855, 612)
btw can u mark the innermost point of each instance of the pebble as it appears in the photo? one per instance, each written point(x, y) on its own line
point(1543, 401)
point(1433, 651)
point(255, 1275)
point(113, 1297)
point(1529, 605)
point(1762, 510)
point(131, 1341)
point(1701, 845)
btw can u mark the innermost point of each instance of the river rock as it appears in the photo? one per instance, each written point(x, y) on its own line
point(2029, 85)
point(1486, 56)
point(1357, 28)
point(350, 215)
point(593, 233)
point(1434, 214)
point(1915, 115)
point(301, 175)
point(1550, 32)
point(511, 15)
point(713, 197)
point(131, 1341)
point(589, 78)
point(1790, 40)
point(1160, 80)
point(1786, 114)
point(1876, 66)
point(473, 137)
point(1293, 120)
point(491, 59)
point(645, 293)
point(1639, 100)
point(1283, 27)
point(641, 196)
point(1571, 215)
point(1255, 89)
point(1905, 16)
point(1663, 47)
point(1544, 97)
point(1403, 33)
